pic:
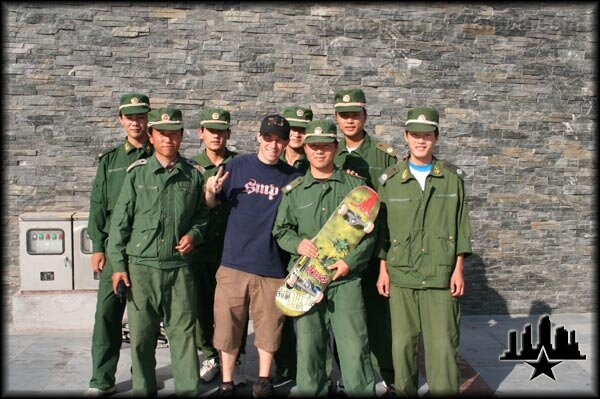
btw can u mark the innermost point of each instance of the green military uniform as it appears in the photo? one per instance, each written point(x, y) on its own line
point(369, 160)
point(157, 206)
point(425, 232)
point(305, 207)
point(112, 166)
point(207, 258)
point(301, 163)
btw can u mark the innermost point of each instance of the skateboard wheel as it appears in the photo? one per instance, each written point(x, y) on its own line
point(291, 281)
point(369, 227)
point(343, 209)
point(319, 297)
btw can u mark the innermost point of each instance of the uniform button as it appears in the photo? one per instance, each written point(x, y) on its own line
point(395, 241)
point(163, 240)
point(423, 249)
point(424, 282)
point(324, 209)
point(450, 238)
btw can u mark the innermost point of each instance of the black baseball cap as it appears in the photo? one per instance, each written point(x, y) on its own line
point(277, 125)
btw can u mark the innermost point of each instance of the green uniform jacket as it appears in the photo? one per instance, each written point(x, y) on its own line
point(212, 248)
point(425, 230)
point(301, 164)
point(306, 207)
point(369, 160)
point(107, 186)
point(155, 209)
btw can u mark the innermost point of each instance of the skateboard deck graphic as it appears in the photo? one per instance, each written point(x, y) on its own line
point(306, 283)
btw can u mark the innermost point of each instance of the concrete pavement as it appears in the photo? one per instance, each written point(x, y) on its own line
point(48, 362)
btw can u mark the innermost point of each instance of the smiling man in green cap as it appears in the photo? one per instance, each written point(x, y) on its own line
point(159, 218)
point(369, 158)
point(307, 204)
point(293, 154)
point(423, 246)
point(106, 337)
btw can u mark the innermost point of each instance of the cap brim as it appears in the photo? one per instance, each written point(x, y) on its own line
point(298, 124)
point(216, 126)
point(420, 128)
point(349, 109)
point(167, 126)
point(317, 139)
point(134, 110)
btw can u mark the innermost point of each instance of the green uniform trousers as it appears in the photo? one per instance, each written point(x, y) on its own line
point(379, 323)
point(166, 294)
point(343, 310)
point(286, 356)
point(106, 337)
point(434, 314)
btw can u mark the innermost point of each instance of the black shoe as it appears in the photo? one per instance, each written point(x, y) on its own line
point(262, 388)
point(281, 380)
point(226, 389)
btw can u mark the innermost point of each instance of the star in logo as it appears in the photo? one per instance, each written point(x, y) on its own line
point(542, 365)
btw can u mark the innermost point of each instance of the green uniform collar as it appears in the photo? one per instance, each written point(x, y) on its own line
point(156, 166)
point(301, 159)
point(362, 148)
point(338, 175)
point(128, 147)
point(206, 163)
point(437, 170)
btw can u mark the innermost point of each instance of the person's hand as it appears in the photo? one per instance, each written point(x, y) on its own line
point(185, 245)
point(383, 281)
point(342, 269)
point(116, 277)
point(352, 173)
point(214, 184)
point(457, 285)
point(307, 248)
point(98, 261)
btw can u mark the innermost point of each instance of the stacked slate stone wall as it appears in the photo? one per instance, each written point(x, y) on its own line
point(514, 84)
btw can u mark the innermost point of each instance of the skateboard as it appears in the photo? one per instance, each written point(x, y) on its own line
point(306, 283)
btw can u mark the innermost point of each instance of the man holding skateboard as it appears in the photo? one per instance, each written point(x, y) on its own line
point(307, 204)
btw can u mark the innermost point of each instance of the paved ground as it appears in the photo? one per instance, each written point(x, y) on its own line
point(55, 363)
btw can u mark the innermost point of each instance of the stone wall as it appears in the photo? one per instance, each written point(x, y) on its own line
point(515, 86)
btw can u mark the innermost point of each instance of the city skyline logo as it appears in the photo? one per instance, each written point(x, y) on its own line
point(543, 356)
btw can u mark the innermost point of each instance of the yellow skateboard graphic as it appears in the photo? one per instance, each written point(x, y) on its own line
point(352, 219)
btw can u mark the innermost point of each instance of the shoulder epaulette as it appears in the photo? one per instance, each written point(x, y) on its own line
point(389, 172)
point(139, 162)
point(388, 149)
point(106, 152)
point(292, 185)
point(196, 165)
point(454, 169)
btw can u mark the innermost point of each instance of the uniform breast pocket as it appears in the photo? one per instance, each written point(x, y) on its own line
point(143, 242)
point(399, 253)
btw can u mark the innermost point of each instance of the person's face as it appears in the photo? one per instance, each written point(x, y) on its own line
point(420, 144)
point(320, 155)
point(214, 139)
point(166, 142)
point(135, 125)
point(351, 123)
point(296, 137)
point(270, 148)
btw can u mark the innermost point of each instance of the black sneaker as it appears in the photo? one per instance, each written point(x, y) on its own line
point(262, 388)
point(226, 389)
point(281, 380)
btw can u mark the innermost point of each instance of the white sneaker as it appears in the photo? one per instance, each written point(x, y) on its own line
point(340, 388)
point(97, 392)
point(239, 378)
point(209, 370)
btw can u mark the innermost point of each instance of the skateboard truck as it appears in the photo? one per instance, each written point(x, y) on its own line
point(305, 285)
point(353, 219)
